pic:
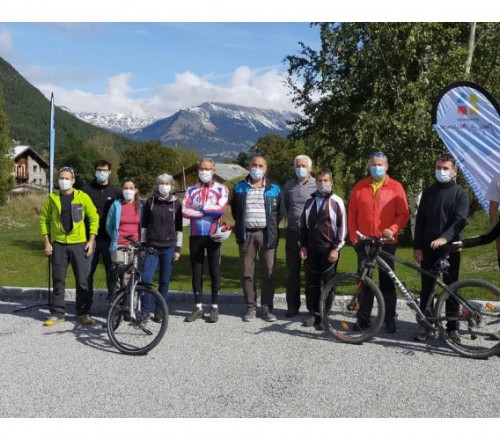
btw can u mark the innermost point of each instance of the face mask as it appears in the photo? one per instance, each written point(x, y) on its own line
point(128, 194)
point(324, 188)
point(377, 171)
point(164, 190)
point(65, 184)
point(102, 176)
point(205, 175)
point(301, 172)
point(443, 176)
point(256, 173)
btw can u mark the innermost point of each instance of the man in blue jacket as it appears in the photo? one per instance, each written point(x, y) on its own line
point(257, 207)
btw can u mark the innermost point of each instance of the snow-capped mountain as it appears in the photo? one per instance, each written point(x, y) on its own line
point(122, 123)
point(215, 129)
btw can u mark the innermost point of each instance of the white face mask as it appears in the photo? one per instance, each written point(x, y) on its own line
point(164, 190)
point(205, 175)
point(128, 194)
point(65, 184)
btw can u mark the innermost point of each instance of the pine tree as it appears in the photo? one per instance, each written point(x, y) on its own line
point(6, 178)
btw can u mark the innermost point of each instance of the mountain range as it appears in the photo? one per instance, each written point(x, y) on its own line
point(212, 129)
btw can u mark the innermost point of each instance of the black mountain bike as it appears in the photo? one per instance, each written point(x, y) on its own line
point(477, 320)
point(130, 329)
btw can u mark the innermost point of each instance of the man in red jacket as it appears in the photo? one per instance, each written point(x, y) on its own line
point(378, 206)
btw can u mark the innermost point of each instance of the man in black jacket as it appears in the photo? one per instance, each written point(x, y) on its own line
point(102, 194)
point(441, 217)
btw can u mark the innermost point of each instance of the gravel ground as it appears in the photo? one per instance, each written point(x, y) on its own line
point(234, 369)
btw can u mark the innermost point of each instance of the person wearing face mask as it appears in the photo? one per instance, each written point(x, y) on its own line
point(323, 228)
point(161, 229)
point(378, 207)
point(295, 193)
point(62, 223)
point(103, 194)
point(257, 207)
point(124, 218)
point(441, 217)
point(204, 204)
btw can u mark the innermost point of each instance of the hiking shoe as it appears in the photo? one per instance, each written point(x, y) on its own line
point(195, 314)
point(53, 320)
point(291, 313)
point(319, 326)
point(423, 334)
point(85, 319)
point(214, 315)
point(453, 336)
point(250, 315)
point(390, 326)
point(496, 335)
point(267, 315)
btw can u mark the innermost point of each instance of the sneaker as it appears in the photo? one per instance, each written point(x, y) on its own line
point(267, 315)
point(214, 315)
point(390, 326)
point(291, 313)
point(250, 315)
point(360, 326)
point(423, 334)
point(319, 326)
point(496, 335)
point(195, 314)
point(453, 336)
point(157, 317)
point(85, 319)
point(309, 321)
point(53, 320)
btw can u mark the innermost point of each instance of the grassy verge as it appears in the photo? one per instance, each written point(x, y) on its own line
point(24, 264)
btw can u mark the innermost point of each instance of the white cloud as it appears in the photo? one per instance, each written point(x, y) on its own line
point(245, 87)
point(5, 41)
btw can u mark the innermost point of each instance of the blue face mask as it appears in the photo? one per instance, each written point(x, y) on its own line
point(301, 172)
point(101, 176)
point(256, 173)
point(443, 176)
point(377, 171)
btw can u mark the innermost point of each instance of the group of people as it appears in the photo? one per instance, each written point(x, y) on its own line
point(80, 226)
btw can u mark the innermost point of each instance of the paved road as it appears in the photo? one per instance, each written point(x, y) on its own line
point(234, 369)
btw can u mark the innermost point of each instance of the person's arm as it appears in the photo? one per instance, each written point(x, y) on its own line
point(461, 211)
point(45, 220)
point(187, 203)
point(352, 217)
point(220, 208)
point(178, 232)
point(303, 233)
point(420, 221)
point(483, 239)
point(402, 212)
point(493, 211)
point(110, 227)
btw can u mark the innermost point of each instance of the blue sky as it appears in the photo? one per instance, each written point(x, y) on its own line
point(156, 68)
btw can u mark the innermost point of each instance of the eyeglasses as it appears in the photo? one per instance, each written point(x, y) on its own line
point(71, 170)
point(379, 154)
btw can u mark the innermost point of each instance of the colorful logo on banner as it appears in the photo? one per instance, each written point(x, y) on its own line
point(466, 118)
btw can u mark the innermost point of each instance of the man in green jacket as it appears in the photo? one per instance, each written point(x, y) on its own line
point(63, 228)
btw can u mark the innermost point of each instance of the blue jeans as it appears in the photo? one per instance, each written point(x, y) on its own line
point(165, 257)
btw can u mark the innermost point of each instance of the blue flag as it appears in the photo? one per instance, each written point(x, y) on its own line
point(466, 118)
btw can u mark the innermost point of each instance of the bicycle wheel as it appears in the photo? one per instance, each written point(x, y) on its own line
point(340, 301)
point(477, 321)
point(130, 330)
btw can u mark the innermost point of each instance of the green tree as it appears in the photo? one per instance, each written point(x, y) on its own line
point(146, 161)
point(279, 154)
point(371, 87)
point(6, 166)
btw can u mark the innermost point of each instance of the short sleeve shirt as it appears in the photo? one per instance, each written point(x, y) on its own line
point(493, 191)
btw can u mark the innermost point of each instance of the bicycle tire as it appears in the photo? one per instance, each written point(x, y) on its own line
point(339, 303)
point(475, 330)
point(136, 333)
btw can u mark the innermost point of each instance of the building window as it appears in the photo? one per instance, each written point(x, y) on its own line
point(35, 168)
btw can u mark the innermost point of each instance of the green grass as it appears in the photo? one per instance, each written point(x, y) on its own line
point(24, 264)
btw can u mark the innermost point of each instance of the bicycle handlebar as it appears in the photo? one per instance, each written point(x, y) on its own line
point(373, 239)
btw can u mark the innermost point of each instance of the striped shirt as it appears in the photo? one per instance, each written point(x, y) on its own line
point(255, 217)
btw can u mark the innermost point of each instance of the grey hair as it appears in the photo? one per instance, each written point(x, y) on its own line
point(167, 178)
point(383, 158)
point(207, 159)
point(303, 157)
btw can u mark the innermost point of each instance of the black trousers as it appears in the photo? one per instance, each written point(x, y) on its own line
point(428, 284)
point(386, 286)
point(197, 246)
point(318, 269)
point(293, 264)
point(62, 256)
point(101, 248)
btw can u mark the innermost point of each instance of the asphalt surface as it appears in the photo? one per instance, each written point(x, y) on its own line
point(233, 369)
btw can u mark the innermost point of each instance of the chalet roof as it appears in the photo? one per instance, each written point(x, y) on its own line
point(21, 149)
